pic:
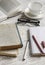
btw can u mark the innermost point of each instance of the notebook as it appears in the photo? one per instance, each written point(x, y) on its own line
point(8, 8)
point(37, 41)
point(10, 53)
point(9, 37)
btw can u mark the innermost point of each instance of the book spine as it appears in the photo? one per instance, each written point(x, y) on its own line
point(10, 47)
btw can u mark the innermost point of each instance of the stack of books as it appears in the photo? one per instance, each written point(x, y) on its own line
point(10, 40)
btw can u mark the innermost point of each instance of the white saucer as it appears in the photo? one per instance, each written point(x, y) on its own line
point(29, 15)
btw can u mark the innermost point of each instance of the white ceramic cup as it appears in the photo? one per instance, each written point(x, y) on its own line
point(35, 8)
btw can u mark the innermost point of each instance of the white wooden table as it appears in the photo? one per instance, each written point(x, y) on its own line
point(29, 60)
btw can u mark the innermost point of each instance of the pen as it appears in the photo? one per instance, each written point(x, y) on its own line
point(43, 44)
point(25, 51)
point(25, 47)
point(37, 44)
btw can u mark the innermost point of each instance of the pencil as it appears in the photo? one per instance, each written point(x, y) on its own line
point(24, 51)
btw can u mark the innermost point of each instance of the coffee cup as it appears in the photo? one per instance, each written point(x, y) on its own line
point(35, 8)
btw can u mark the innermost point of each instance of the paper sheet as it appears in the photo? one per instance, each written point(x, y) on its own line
point(39, 33)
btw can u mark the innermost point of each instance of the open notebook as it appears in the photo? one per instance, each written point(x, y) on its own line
point(9, 37)
point(8, 8)
point(37, 40)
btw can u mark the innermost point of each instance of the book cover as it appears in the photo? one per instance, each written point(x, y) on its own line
point(9, 37)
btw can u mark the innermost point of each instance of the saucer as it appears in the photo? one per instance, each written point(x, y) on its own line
point(29, 15)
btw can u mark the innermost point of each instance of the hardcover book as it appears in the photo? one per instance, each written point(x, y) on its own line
point(9, 37)
point(10, 53)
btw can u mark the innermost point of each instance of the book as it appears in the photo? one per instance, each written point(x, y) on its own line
point(9, 8)
point(10, 53)
point(9, 37)
point(37, 41)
